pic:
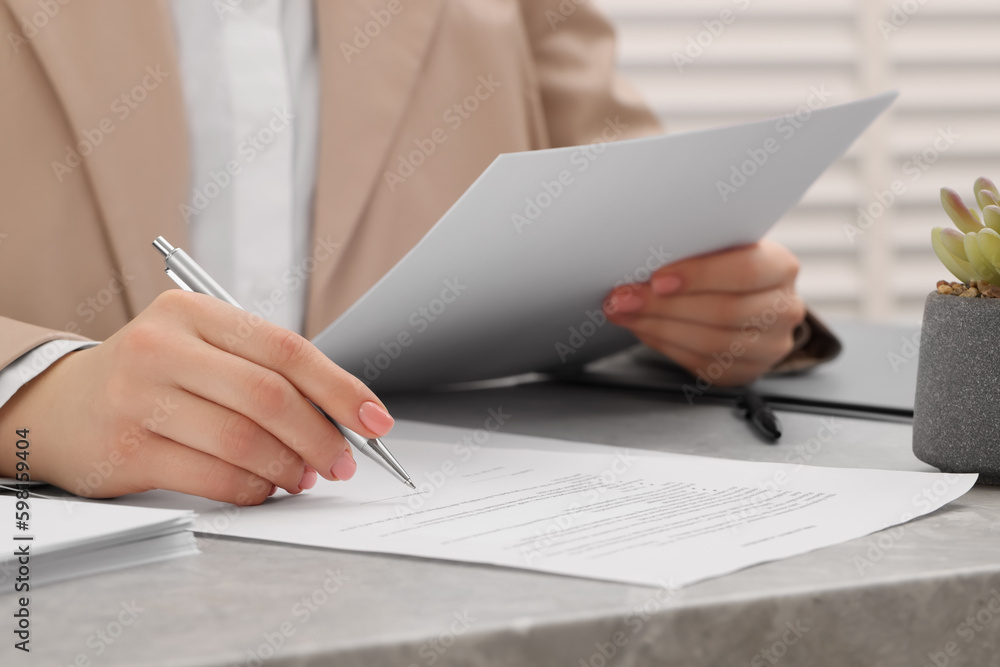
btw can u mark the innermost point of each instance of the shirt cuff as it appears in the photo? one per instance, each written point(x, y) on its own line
point(815, 344)
point(30, 365)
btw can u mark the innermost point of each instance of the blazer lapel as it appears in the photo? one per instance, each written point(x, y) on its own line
point(95, 53)
point(113, 66)
point(369, 62)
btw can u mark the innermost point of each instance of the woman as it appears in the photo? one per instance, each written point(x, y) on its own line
point(275, 140)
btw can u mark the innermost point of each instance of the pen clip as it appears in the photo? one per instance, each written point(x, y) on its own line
point(177, 279)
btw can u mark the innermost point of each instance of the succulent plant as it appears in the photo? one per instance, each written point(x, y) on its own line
point(972, 252)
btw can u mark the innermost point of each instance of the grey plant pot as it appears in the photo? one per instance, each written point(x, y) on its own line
point(956, 421)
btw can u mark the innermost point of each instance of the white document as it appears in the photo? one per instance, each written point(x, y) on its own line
point(597, 512)
point(65, 539)
point(512, 278)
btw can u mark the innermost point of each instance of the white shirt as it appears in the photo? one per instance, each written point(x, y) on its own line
point(251, 88)
point(250, 74)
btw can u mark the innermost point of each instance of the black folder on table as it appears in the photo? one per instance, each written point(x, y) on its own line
point(875, 376)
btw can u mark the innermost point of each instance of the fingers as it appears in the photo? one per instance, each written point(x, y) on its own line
point(731, 315)
point(728, 345)
point(266, 398)
point(165, 464)
point(705, 341)
point(724, 373)
point(343, 396)
point(751, 268)
point(780, 308)
point(232, 437)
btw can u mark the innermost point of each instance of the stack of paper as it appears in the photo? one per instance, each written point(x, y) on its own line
point(54, 540)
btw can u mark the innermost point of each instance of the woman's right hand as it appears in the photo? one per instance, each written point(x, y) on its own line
point(195, 396)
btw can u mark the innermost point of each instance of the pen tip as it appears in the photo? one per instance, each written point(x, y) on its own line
point(411, 485)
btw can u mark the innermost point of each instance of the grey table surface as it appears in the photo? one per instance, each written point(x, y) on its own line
point(927, 593)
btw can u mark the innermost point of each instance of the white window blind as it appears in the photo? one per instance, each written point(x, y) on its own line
point(765, 57)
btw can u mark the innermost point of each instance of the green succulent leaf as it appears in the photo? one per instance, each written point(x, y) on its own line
point(988, 241)
point(983, 183)
point(954, 243)
point(964, 218)
point(991, 216)
point(981, 266)
point(986, 198)
point(959, 267)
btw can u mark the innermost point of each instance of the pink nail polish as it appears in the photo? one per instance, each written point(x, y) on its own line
point(666, 284)
point(628, 302)
point(344, 467)
point(309, 478)
point(375, 417)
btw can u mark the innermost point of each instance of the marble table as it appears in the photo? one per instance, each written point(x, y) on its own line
point(927, 593)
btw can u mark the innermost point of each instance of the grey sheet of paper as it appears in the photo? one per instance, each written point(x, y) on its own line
point(511, 279)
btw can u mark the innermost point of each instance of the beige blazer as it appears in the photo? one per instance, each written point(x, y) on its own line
point(94, 149)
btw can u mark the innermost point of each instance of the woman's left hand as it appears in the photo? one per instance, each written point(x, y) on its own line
point(730, 315)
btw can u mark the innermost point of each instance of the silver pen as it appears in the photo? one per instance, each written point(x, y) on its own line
point(190, 277)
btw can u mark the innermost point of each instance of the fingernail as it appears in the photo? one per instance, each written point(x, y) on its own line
point(625, 302)
point(666, 284)
point(375, 418)
point(308, 480)
point(344, 467)
point(274, 490)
